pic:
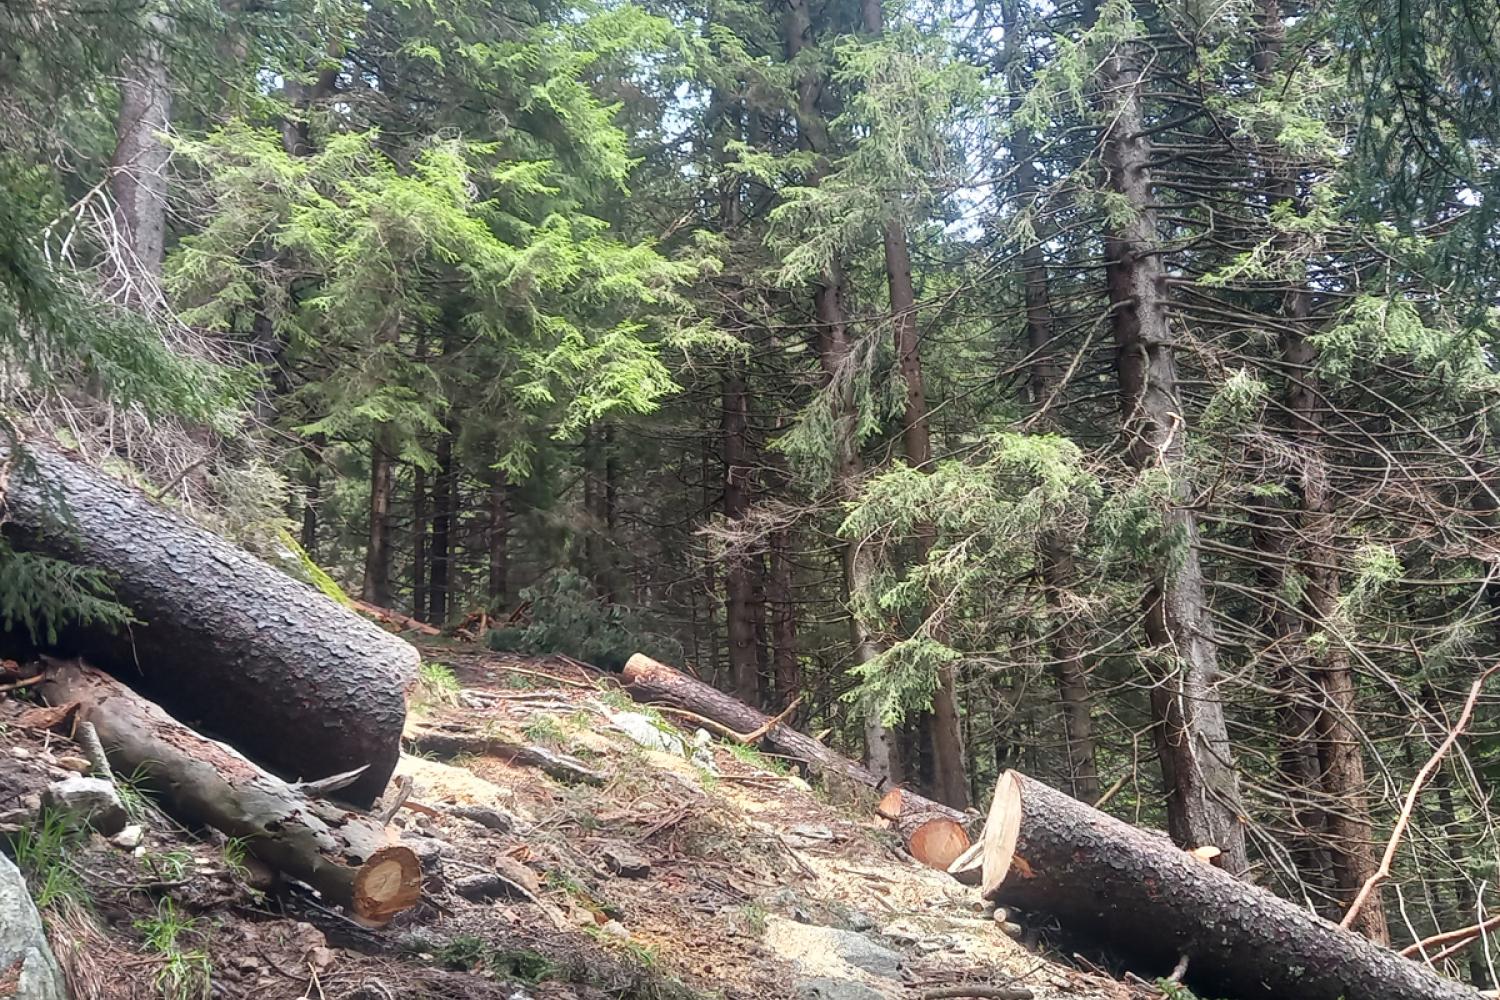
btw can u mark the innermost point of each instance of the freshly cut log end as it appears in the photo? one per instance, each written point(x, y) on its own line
point(1146, 898)
point(300, 683)
point(349, 857)
point(936, 841)
point(391, 881)
point(889, 806)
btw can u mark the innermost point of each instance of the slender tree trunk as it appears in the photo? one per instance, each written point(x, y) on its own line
point(1198, 770)
point(377, 586)
point(1340, 755)
point(738, 610)
point(1069, 671)
point(786, 665)
point(835, 352)
point(440, 577)
point(498, 540)
point(138, 169)
point(419, 527)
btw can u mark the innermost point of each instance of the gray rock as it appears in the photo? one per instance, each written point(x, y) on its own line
point(486, 816)
point(23, 946)
point(859, 920)
point(830, 951)
point(130, 837)
point(625, 863)
point(826, 988)
point(485, 886)
point(89, 802)
point(429, 850)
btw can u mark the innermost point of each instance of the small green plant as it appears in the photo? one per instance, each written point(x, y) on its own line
point(235, 856)
point(747, 754)
point(170, 866)
point(546, 730)
point(42, 852)
point(186, 972)
point(754, 917)
point(437, 684)
point(133, 795)
point(469, 952)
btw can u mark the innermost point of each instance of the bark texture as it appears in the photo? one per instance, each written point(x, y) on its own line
point(1047, 852)
point(651, 682)
point(1192, 741)
point(294, 680)
point(347, 856)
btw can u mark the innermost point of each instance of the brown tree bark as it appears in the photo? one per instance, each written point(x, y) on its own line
point(1192, 742)
point(351, 859)
point(377, 583)
point(835, 354)
point(1069, 671)
point(419, 526)
point(786, 664)
point(303, 685)
point(138, 168)
point(444, 508)
point(1142, 896)
point(498, 539)
point(1340, 755)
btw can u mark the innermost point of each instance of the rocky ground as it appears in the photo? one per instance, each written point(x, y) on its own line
point(624, 857)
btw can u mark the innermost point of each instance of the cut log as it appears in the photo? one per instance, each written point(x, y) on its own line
point(651, 682)
point(403, 623)
point(348, 857)
point(297, 682)
point(1147, 899)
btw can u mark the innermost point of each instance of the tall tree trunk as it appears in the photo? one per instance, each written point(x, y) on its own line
point(498, 540)
point(1069, 671)
point(444, 489)
point(835, 353)
point(377, 585)
point(419, 526)
point(785, 664)
point(1192, 741)
point(138, 169)
point(944, 732)
point(1340, 755)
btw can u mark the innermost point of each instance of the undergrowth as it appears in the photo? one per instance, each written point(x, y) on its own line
point(43, 852)
point(186, 972)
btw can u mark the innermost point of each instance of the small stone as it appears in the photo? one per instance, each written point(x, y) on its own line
point(78, 765)
point(129, 838)
point(21, 753)
point(429, 850)
point(625, 863)
point(615, 929)
point(859, 920)
point(486, 816)
point(798, 783)
point(812, 832)
point(828, 988)
point(87, 802)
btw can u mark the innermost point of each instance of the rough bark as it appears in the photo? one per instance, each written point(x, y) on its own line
point(738, 587)
point(420, 518)
point(497, 540)
point(444, 494)
point(1069, 671)
point(377, 583)
point(786, 665)
point(651, 682)
point(1046, 852)
point(835, 354)
point(138, 169)
point(1192, 742)
point(347, 856)
point(294, 680)
point(1340, 755)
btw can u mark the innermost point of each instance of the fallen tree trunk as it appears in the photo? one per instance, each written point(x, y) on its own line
point(348, 857)
point(297, 682)
point(447, 739)
point(1149, 900)
point(933, 833)
point(403, 623)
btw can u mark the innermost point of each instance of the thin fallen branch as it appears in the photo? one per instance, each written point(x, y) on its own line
point(1384, 871)
point(1463, 935)
point(978, 991)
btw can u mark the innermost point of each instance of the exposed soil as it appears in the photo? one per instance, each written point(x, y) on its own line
point(696, 869)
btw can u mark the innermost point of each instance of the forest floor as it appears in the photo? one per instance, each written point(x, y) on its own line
point(678, 868)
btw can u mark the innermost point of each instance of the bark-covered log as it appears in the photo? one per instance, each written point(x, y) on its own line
point(349, 857)
point(1148, 899)
point(295, 681)
point(649, 681)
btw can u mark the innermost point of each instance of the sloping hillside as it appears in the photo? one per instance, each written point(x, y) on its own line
point(576, 845)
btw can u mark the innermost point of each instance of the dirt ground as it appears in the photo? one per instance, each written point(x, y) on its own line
point(645, 861)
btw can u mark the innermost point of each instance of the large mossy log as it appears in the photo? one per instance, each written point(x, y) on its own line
point(349, 857)
point(293, 679)
point(933, 833)
point(1145, 898)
